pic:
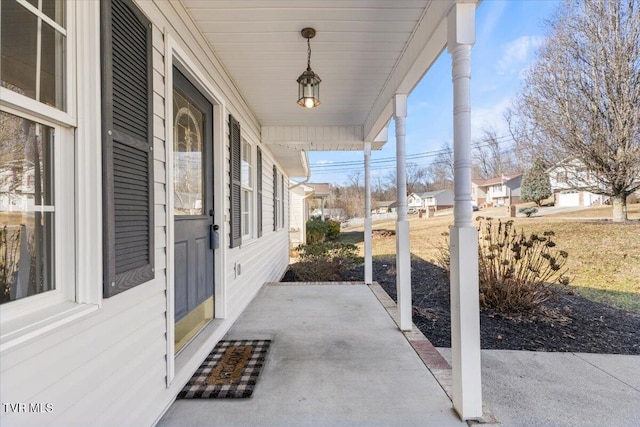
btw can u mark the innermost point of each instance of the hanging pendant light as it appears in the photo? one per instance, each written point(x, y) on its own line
point(308, 82)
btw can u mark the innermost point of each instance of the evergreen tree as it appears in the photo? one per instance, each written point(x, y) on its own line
point(535, 184)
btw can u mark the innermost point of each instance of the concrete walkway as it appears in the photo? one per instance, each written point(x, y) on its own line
point(337, 359)
point(538, 389)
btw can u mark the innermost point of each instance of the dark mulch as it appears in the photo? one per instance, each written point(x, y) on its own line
point(578, 325)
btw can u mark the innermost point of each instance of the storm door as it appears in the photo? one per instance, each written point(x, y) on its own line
point(192, 209)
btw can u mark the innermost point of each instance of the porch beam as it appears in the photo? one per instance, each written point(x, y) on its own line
point(368, 224)
point(465, 306)
point(403, 252)
point(318, 138)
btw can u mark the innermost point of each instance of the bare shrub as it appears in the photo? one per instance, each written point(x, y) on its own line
point(515, 270)
point(324, 261)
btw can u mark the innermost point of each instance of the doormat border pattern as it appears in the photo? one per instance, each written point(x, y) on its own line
point(199, 386)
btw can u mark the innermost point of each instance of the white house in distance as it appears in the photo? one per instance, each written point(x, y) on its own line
point(499, 191)
point(17, 187)
point(570, 183)
point(382, 207)
point(438, 199)
point(299, 194)
point(321, 191)
point(178, 124)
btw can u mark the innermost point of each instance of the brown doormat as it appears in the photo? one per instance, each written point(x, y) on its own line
point(229, 371)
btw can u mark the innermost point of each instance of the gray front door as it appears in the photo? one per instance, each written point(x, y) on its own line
point(193, 200)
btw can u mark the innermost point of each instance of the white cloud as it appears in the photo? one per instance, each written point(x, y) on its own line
point(323, 162)
point(517, 54)
point(492, 18)
point(490, 117)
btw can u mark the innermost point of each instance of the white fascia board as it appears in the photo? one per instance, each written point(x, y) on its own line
point(304, 159)
point(328, 138)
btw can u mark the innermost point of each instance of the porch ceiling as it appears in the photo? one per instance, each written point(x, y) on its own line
point(365, 51)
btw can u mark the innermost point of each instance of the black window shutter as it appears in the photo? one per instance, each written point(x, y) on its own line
point(235, 182)
point(259, 189)
point(127, 141)
point(275, 198)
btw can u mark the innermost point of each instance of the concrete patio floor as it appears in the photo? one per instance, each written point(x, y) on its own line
point(336, 359)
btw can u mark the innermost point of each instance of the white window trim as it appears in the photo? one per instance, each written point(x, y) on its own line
point(249, 235)
point(43, 16)
point(278, 191)
point(283, 186)
point(78, 260)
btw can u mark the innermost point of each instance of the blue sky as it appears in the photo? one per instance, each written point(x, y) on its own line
point(508, 33)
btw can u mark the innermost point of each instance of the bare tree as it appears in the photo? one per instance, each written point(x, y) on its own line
point(491, 158)
point(440, 171)
point(417, 177)
point(355, 178)
point(350, 196)
point(581, 98)
point(530, 145)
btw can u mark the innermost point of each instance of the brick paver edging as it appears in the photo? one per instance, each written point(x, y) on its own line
point(433, 360)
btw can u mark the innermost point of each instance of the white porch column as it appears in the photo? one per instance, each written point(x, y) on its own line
point(322, 208)
point(403, 250)
point(368, 226)
point(465, 306)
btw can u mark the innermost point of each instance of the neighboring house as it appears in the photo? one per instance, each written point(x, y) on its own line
point(17, 186)
point(430, 199)
point(499, 191)
point(414, 201)
point(334, 214)
point(570, 183)
point(321, 192)
point(298, 213)
point(382, 207)
point(174, 128)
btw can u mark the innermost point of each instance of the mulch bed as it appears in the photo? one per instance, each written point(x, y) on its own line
point(580, 325)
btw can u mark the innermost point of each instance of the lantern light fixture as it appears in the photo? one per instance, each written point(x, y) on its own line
point(308, 82)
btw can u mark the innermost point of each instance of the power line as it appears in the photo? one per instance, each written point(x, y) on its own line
point(389, 167)
point(350, 165)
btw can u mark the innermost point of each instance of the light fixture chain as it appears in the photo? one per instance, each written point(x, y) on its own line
point(308, 54)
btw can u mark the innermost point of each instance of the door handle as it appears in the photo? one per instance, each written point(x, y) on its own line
point(213, 237)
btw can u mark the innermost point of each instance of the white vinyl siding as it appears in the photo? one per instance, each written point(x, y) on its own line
point(111, 362)
point(297, 216)
point(110, 367)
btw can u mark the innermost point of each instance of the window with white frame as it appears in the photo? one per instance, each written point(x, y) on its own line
point(36, 156)
point(247, 190)
point(34, 50)
point(282, 202)
point(278, 199)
